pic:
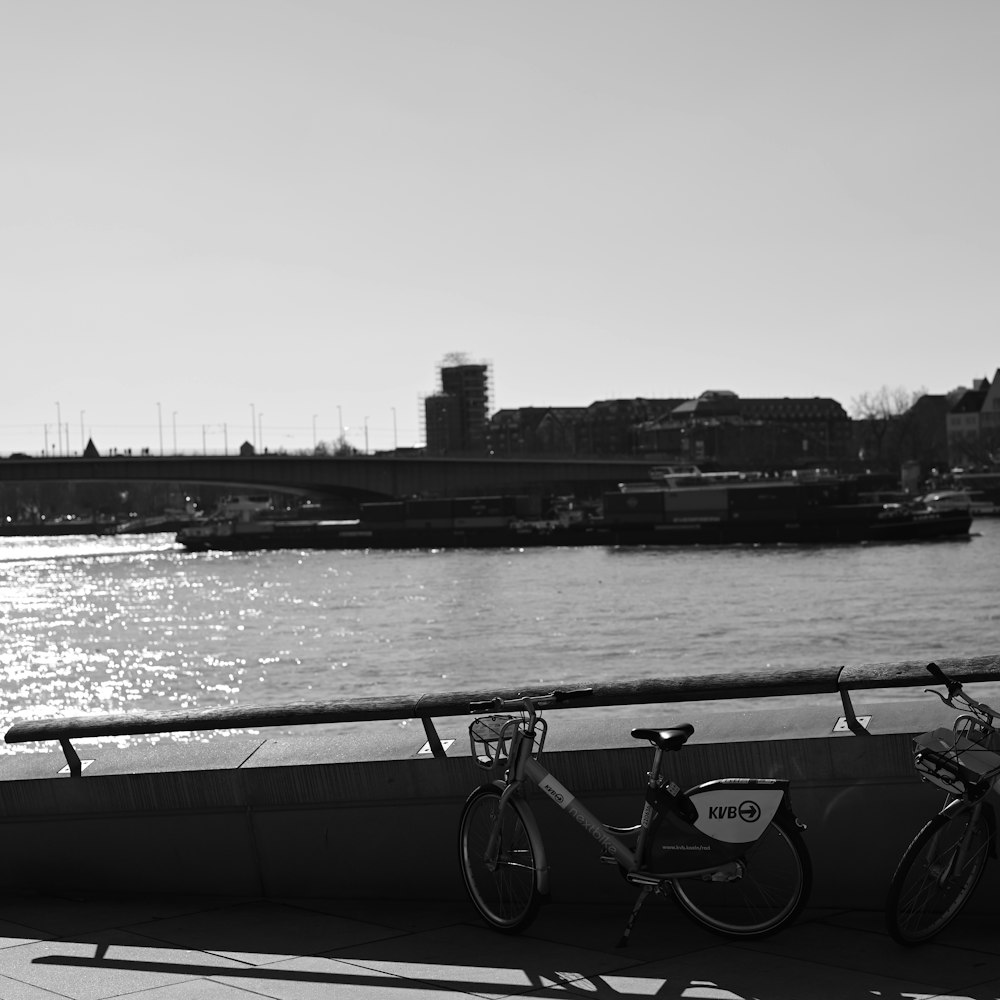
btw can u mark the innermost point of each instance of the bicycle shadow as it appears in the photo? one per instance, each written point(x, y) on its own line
point(303, 948)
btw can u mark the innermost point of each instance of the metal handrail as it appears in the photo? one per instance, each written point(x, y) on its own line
point(640, 691)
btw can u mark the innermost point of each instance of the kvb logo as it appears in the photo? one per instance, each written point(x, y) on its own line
point(748, 811)
point(735, 816)
point(554, 790)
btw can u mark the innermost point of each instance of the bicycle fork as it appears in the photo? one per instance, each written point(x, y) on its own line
point(944, 869)
point(492, 853)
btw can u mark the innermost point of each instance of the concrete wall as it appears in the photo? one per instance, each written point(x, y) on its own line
point(372, 816)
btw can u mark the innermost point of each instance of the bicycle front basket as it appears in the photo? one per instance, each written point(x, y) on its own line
point(954, 762)
point(976, 730)
point(490, 738)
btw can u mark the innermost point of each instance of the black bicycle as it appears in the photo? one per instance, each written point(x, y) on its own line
point(730, 851)
point(943, 865)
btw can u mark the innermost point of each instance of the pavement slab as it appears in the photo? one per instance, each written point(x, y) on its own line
point(98, 947)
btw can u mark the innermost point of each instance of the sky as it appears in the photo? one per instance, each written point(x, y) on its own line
point(272, 220)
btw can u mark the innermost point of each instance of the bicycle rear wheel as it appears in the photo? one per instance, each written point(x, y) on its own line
point(932, 884)
point(771, 890)
point(507, 896)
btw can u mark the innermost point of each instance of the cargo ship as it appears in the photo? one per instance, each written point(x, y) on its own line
point(648, 514)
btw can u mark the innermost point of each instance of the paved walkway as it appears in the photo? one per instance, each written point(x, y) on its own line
point(171, 948)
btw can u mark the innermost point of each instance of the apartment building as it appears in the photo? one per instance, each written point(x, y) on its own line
point(973, 424)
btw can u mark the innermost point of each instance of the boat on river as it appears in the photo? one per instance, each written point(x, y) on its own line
point(749, 513)
point(976, 502)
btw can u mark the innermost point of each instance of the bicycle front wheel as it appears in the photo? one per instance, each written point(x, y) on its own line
point(770, 889)
point(504, 889)
point(936, 875)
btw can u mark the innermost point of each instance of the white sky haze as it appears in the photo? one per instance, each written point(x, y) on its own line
point(294, 209)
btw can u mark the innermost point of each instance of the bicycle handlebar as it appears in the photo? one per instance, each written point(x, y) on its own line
point(955, 690)
point(523, 701)
point(937, 673)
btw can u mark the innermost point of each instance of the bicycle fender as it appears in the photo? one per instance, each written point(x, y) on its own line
point(531, 825)
point(737, 810)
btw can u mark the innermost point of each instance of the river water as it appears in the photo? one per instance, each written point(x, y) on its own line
point(108, 624)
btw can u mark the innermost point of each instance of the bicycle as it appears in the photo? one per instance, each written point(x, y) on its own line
point(943, 864)
point(730, 851)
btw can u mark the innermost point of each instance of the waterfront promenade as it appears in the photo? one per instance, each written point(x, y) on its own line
point(324, 867)
point(91, 947)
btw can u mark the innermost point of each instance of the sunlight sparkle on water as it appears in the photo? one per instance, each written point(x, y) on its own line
point(114, 624)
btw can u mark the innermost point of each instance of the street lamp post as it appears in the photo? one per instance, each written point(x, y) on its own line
point(59, 428)
point(395, 437)
point(366, 435)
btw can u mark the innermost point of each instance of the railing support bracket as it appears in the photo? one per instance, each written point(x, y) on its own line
point(855, 725)
point(72, 758)
point(433, 740)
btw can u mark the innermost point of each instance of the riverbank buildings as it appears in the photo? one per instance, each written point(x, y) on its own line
point(973, 424)
point(719, 429)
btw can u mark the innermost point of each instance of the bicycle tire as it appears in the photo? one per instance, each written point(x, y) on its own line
point(919, 905)
point(507, 898)
point(773, 888)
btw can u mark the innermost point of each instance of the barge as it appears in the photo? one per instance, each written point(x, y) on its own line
point(778, 512)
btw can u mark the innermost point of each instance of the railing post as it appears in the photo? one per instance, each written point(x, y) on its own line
point(850, 716)
point(433, 740)
point(72, 758)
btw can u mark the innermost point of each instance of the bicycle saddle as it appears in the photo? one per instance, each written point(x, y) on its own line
point(666, 739)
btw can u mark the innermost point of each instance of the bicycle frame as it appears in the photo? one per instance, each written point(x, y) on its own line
point(734, 862)
point(522, 767)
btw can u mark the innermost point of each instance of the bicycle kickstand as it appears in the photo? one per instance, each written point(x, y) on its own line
point(643, 893)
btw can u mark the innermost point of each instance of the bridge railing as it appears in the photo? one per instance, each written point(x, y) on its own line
point(840, 680)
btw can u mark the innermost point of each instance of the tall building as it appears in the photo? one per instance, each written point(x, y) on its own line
point(457, 416)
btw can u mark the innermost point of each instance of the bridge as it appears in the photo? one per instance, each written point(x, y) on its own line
point(358, 478)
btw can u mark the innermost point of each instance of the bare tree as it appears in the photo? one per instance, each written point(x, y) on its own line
point(884, 424)
point(338, 448)
point(884, 403)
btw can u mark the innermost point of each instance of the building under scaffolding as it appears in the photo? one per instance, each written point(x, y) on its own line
point(457, 416)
